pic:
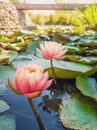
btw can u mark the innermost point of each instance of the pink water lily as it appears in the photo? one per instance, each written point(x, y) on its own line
point(30, 81)
point(52, 50)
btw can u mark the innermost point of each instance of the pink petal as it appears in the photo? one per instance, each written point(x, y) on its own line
point(32, 83)
point(43, 49)
point(13, 87)
point(39, 51)
point(42, 82)
point(34, 80)
point(32, 95)
point(18, 76)
point(22, 82)
point(59, 55)
point(47, 85)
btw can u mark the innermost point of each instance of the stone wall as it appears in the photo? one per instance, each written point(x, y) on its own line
point(12, 19)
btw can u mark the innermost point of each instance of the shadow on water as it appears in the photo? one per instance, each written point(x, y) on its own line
point(47, 105)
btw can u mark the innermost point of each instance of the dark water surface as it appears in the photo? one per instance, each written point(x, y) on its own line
point(47, 106)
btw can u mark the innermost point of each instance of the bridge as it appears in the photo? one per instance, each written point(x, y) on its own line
point(50, 6)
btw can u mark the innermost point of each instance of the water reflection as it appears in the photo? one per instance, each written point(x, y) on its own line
point(47, 105)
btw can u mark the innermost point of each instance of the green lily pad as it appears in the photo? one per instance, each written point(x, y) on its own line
point(6, 72)
point(92, 52)
point(3, 106)
point(22, 45)
point(13, 47)
point(4, 58)
point(7, 123)
point(78, 112)
point(12, 55)
point(7, 56)
point(2, 86)
point(90, 60)
point(88, 42)
point(72, 49)
point(87, 85)
point(64, 69)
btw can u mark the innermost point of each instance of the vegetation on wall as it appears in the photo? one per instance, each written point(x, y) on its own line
point(58, 18)
point(87, 17)
point(82, 18)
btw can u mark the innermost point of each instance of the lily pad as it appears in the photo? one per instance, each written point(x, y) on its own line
point(6, 72)
point(2, 86)
point(78, 112)
point(64, 69)
point(7, 56)
point(87, 85)
point(12, 55)
point(7, 123)
point(90, 60)
point(13, 47)
point(4, 58)
point(3, 106)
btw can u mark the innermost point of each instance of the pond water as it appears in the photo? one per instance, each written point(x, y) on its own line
point(47, 106)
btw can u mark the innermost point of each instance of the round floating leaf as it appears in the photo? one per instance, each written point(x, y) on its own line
point(13, 47)
point(4, 58)
point(2, 86)
point(87, 85)
point(6, 72)
point(7, 123)
point(90, 60)
point(78, 112)
point(12, 55)
point(3, 106)
point(65, 69)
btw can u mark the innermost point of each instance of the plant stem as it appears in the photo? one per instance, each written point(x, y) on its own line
point(53, 74)
point(41, 125)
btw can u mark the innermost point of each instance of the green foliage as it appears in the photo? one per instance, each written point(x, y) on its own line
point(58, 18)
point(15, 1)
point(87, 17)
point(37, 19)
point(83, 19)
